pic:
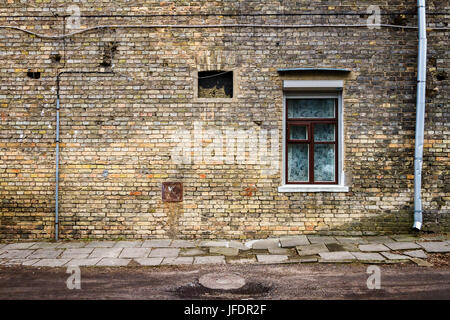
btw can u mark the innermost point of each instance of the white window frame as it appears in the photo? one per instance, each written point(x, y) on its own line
point(315, 90)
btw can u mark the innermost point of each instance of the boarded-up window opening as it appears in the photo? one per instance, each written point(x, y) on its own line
point(215, 84)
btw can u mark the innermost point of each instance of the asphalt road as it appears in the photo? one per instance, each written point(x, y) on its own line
point(285, 282)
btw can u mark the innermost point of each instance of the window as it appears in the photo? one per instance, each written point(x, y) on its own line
point(311, 140)
point(215, 84)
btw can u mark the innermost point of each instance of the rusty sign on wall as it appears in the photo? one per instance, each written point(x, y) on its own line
point(172, 192)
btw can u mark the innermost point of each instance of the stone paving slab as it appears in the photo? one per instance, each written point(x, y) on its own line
point(71, 245)
point(224, 251)
point(307, 259)
point(16, 254)
point(322, 239)
point(20, 245)
point(416, 254)
point(377, 247)
point(421, 263)
point(333, 247)
point(368, 256)
point(135, 253)
point(290, 242)
point(402, 245)
point(45, 245)
point(128, 244)
point(83, 262)
point(113, 262)
point(212, 243)
point(263, 244)
point(105, 253)
point(51, 263)
point(284, 251)
point(271, 258)
point(77, 253)
point(177, 260)
point(192, 252)
point(311, 249)
point(395, 256)
point(164, 252)
point(379, 239)
point(156, 243)
point(435, 247)
point(238, 245)
point(182, 244)
point(149, 261)
point(209, 260)
point(100, 244)
point(405, 237)
point(239, 260)
point(45, 254)
point(351, 240)
point(337, 256)
point(30, 262)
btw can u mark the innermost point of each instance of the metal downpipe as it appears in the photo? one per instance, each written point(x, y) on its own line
point(420, 114)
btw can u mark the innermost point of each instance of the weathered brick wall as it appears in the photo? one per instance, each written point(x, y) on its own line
point(116, 131)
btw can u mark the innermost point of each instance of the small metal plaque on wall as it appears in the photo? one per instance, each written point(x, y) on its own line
point(172, 192)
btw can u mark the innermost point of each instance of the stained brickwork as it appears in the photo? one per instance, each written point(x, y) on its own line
point(116, 130)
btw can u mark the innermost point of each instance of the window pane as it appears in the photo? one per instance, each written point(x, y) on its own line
point(310, 108)
point(298, 162)
point(298, 132)
point(324, 132)
point(324, 164)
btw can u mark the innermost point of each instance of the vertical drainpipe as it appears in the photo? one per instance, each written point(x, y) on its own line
point(420, 114)
point(58, 76)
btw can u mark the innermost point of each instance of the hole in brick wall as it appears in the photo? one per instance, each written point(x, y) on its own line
point(109, 49)
point(33, 74)
point(215, 84)
point(441, 75)
point(56, 58)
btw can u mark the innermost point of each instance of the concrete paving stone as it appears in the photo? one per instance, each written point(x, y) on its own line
point(45, 254)
point(128, 244)
point(30, 262)
point(149, 261)
point(416, 254)
point(15, 262)
point(351, 240)
point(211, 243)
point(182, 244)
point(322, 239)
point(224, 251)
point(402, 245)
point(308, 259)
point(311, 249)
point(263, 244)
point(405, 237)
point(394, 256)
point(20, 245)
point(51, 262)
point(373, 247)
point(209, 260)
point(113, 262)
point(368, 256)
point(238, 245)
point(71, 245)
point(105, 253)
point(77, 253)
point(290, 242)
point(164, 252)
point(435, 247)
point(192, 252)
point(100, 244)
point(83, 262)
point(240, 260)
point(162, 243)
point(379, 239)
point(271, 258)
point(177, 260)
point(45, 245)
point(279, 251)
point(334, 247)
point(16, 254)
point(135, 253)
point(336, 256)
point(421, 263)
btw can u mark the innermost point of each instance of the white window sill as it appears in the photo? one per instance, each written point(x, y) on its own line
point(313, 188)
